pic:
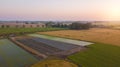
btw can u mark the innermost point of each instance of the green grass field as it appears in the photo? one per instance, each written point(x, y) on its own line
point(6, 31)
point(98, 55)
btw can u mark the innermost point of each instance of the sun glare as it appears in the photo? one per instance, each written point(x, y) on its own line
point(114, 12)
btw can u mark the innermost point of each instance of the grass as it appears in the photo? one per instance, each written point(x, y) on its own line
point(7, 31)
point(54, 63)
point(98, 55)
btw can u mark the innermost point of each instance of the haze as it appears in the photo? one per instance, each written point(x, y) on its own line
point(60, 10)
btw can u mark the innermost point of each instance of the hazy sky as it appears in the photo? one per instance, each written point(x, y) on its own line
point(59, 9)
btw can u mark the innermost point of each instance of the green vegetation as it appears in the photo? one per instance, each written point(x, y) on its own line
point(7, 31)
point(80, 26)
point(98, 55)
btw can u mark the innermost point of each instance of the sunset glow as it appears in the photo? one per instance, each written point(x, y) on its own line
point(59, 10)
point(115, 13)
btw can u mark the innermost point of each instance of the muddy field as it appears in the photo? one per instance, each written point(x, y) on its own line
point(108, 36)
point(49, 47)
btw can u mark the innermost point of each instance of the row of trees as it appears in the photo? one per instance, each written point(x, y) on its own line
point(60, 25)
point(80, 26)
point(75, 25)
point(20, 26)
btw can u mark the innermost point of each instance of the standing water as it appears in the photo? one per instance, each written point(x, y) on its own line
point(13, 56)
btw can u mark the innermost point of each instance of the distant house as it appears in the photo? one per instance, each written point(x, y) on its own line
point(21, 25)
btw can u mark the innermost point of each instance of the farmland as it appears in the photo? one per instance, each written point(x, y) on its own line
point(49, 47)
point(13, 56)
point(105, 52)
point(98, 55)
point(108, 36)
point(102, 53)
point(41, 47)
point(7, 31)
point(76, 42)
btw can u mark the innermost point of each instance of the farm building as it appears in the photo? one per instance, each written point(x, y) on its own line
point(21, 25)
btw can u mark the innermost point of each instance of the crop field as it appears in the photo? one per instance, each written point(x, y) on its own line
point(116, 27)
point(103, 53)
point(49, 47)
point(13, 56)
point(41, 47)
point(108, 36)
point(6, 31)
point(71, 41)
point(98, 55)
point(56, 44)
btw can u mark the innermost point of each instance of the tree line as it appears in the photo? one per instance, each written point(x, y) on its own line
point(74, 26)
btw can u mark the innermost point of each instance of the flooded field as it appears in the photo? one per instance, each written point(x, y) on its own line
point(13, 56)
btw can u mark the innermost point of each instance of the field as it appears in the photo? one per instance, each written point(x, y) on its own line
point(41, 47)
point(13, 56)
point(7, 31)
point(71, 41)
point(98, 55)
point(108, 36)
point(104, 53)
point(49, 47)
point(118, 28)
point(54, 63)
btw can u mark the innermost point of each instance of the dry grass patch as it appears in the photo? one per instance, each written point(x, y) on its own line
point(108, 36)
point(54, 63)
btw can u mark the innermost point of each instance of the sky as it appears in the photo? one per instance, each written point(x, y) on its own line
point(57, 10)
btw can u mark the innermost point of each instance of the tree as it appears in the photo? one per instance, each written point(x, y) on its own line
point(7, 26)
point(79, 26)
point(49, 24)
point(3, 26)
